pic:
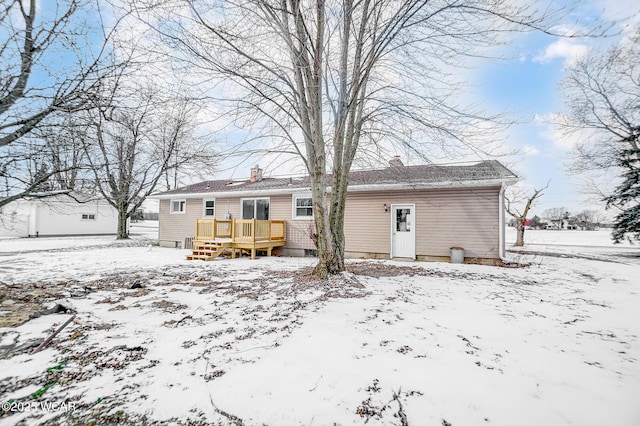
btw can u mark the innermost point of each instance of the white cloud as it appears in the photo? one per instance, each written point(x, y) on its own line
point(554, 128)
point(530, 150)
point(567, 49)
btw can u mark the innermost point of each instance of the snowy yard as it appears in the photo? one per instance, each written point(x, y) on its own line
point(259, 342)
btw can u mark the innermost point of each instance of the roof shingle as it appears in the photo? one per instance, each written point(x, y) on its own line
point(424, 174)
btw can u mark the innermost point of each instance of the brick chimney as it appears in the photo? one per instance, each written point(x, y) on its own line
point(396, 162)
point(256, 174)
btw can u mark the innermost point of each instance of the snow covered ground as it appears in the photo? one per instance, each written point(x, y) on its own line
point(600, 238)
point(260, 342)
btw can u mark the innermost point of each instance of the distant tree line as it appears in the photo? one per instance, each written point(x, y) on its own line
point(561, 218)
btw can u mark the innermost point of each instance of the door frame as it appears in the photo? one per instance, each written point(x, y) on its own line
point(392, 228)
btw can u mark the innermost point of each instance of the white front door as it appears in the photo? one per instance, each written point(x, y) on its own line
point(403, 230)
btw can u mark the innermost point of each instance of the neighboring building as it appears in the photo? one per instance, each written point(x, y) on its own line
point(417, 212)
point(62, 214)
point(561, 224)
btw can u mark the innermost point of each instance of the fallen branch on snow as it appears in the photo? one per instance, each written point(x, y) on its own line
point(235, 420)
point(55, 333)
point(401, 413)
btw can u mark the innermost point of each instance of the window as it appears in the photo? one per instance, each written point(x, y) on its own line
point(208, 208)
point(255, 208)
point(403, 221)
point(178, 206)
point(88, 216)
point(302, 207)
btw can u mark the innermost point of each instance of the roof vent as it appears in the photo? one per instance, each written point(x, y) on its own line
point(256, 174)
point(396, 162)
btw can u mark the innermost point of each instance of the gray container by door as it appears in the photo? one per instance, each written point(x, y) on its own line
point(457, 255)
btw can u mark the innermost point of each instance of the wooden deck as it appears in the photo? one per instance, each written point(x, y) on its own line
point(214, 236)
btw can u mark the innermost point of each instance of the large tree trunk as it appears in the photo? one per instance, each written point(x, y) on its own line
point(330, 257)
point(336, 219)
point(123, 215)
point(329, 236)
point(520, 234)
point(330, 249)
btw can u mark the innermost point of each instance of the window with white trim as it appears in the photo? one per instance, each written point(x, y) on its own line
point(255, 208)
point(208, 207)
point(88, 216)
point(178, 206)
point(302, 206)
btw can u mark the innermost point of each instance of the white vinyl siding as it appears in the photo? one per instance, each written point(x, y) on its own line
point(177, 227)
point(445, 218)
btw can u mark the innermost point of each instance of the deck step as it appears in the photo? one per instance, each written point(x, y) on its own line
point(201, 247)
point(200, 257)
point(206, 251)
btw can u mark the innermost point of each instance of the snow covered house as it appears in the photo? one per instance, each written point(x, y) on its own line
point(416, 212)
point(61, 214)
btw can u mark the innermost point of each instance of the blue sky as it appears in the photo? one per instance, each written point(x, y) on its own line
point(528, 87)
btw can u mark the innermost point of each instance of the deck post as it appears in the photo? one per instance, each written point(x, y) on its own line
point(253, 234)
point(233, 230)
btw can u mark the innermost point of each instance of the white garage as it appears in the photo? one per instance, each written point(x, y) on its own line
point(63, 214)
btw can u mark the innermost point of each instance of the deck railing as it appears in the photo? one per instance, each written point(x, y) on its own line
point(241, 230)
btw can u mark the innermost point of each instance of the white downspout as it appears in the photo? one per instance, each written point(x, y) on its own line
point(32, 230)
point(501, 224)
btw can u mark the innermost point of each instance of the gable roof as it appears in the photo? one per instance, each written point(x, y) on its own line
point(458, 175)
point(60, 196)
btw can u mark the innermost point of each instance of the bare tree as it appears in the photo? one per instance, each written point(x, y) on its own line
point(556, 215)
point(52, 59)
point(132, 146)
point(520, 216)
point(602, 96)
point(335, 79)
point(26, 170)
point(58, 147)
point(64, 147)
point(586, 219)
point(191, 154)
